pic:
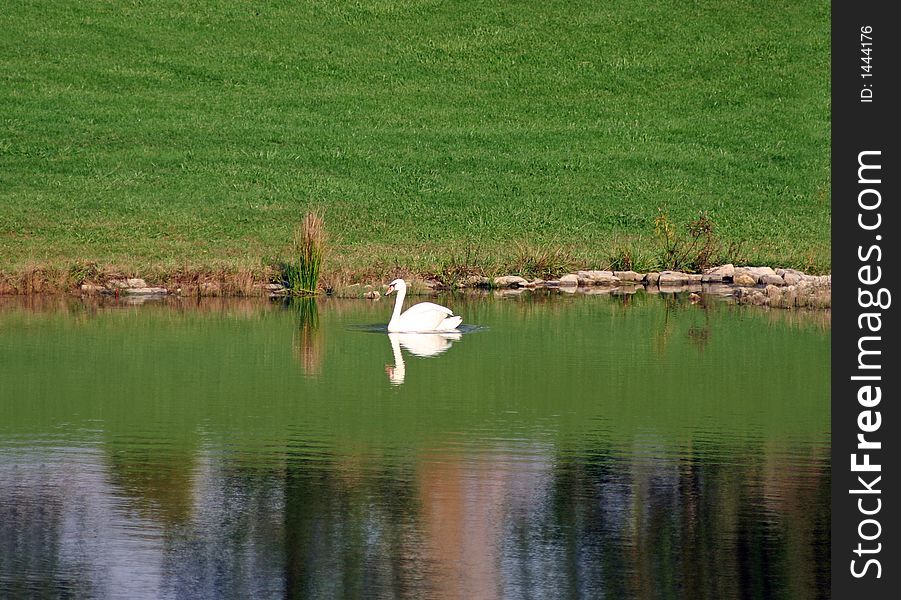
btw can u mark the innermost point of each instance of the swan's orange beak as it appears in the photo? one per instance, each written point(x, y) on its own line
point(390, 289)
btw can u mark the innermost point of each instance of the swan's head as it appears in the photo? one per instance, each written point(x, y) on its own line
point(398, 285)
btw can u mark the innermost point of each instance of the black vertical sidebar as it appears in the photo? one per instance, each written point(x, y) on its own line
point(865, 269)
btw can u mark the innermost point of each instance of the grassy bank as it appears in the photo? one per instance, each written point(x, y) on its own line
point(193, 136)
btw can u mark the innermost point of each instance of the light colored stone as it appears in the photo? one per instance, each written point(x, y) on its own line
point(535, 283)
point(429, 284)
point(651, 278)
point(810, 292)
point(510, 281)
point(755, 272)
point(630, 276)
point(673, 278)
point(475, 281)
point(750, 295)
point(146, 291)
point(91, 288)
point(744, 280)
point(727, 271)
point(116, 284)
point(372, 295)
point(711, 278)
point(791, 278)
point(136, 282)
point(695, 278)
point(606, 280)
point(771, 280)
point(570, 280)
point(597, 278)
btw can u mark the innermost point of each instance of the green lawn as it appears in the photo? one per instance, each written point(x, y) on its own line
point(164, 135)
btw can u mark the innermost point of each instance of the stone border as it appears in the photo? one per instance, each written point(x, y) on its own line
point(762, 286)
point(782, 288)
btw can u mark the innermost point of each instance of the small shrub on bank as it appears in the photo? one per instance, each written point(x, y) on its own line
point(693, 247)
point(544, 262)
point(301, 275)
point(629, 257)
point(459, 267)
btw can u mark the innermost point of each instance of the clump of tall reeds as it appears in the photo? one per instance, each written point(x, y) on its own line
point(300, 274)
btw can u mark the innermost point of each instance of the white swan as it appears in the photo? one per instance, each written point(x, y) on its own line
point(424, 317)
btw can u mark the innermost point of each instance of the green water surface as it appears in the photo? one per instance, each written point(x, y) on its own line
point(563, 446)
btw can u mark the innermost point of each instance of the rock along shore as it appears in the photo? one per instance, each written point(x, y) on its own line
point(761, 286)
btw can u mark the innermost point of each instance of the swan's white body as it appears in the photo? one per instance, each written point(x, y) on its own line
point(425, 317)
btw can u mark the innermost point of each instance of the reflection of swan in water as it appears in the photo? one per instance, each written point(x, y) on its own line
point(417, 344)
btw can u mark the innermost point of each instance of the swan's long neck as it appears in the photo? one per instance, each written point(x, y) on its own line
point(399, 302)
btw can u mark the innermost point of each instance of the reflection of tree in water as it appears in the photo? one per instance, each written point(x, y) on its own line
point(699, 335)
point(691, 528)
point(350, 531)
point(638, 525)
point(32, 527)
point(308, 345)
point(232, 548)
point(701, 520)
point(159, 479)
point(663, 331)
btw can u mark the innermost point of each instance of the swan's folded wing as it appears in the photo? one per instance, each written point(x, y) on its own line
point(450, 323)
point(424, 307)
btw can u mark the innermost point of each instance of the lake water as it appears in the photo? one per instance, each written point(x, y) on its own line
point(566, 447)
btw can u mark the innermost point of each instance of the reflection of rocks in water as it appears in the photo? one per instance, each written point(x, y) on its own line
point(308, 344)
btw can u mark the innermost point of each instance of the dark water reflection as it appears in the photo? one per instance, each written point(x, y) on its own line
point(576, 448)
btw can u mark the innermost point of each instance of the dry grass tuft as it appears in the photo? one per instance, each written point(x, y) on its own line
point(302, 276)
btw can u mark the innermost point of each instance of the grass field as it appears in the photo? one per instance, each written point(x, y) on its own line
point(181, 135)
